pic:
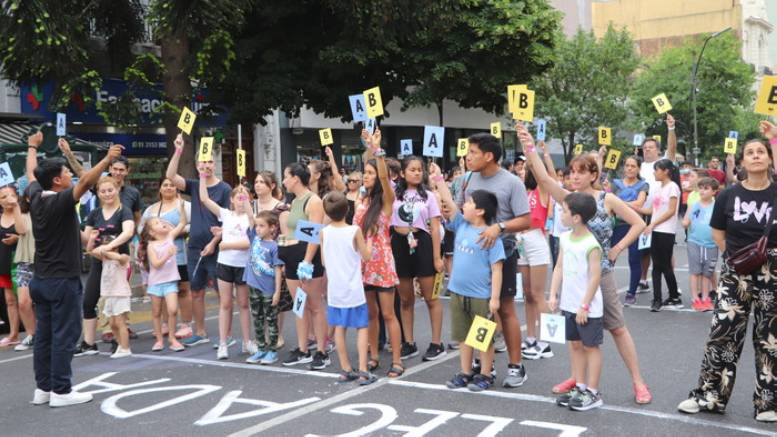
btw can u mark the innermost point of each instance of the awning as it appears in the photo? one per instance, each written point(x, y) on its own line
point(15, 133)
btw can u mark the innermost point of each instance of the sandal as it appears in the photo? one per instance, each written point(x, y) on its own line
point(642, 394)
point(366, 378)
point(373, 364)
point(348, 376)
point(158, 347)
point(396, 370)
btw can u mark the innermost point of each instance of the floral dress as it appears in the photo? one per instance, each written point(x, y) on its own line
point(380, 270)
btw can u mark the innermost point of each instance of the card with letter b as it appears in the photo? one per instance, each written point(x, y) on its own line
point(481, 333)
point(553, 328)
point(437, 288)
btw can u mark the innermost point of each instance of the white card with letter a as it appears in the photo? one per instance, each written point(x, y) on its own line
point(553, 328)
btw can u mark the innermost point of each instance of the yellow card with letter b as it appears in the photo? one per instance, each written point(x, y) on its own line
point(766, 102)
point(524, 105)
point(613, 156)
point(206, 149)
point(496, 129)
point(661, 102)
point(374, 102)
point(730, 146)
point(325, 135)
point(437, 288)
point(578, 149)
point(186, 122)
point(241, 163)
point(605, 136)
point(481, 333)
point(462, 147)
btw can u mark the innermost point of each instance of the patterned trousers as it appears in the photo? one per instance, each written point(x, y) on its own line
point(736, 296)
point(264, 314)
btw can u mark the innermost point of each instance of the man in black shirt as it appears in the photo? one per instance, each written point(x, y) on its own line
point(56, 287)
point(129, 195)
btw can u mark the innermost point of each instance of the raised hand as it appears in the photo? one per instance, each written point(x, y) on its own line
point(64, 146)
point(329, 153)
point(35, 140)
point(767, 129)
point(178, 141)
point(114, 152)
point(377, 137)
point(669, 121)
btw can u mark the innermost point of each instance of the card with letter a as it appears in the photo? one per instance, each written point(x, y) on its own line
point(553, 328)
point(480, 333)
point(298, 305)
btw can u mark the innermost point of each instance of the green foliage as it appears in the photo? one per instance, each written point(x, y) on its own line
point(724, 97)
point(588, 87)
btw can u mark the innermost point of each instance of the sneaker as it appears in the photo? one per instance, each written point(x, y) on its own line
point(707, 305)
point(409, 350)
point(689, 406)
point(270, 357)
point(766, 416)
point(230, 342)
point(516, 376)
point(564, 399)
point(524, 346)
point(655, 306)
point(565, 386)
point(434, 352)
point(195, 340)
point(249, 348)
point(256, 357)
point(586, 401)
point(630, 300)
point(121, 353)
point(696, 305)
point(499, 343)
point(479, 383)
point(85, 349)
point(320, 361)
point(330, 346)
point(675, 303)
point(312, 344)
point(40, 397)
point(298, 357)
point(643, 287)
point(459, 380)
point(537, 350)
point(72, 398)
point(223, 352)
point(26, 344)
point(453, 345)
point(185, 331)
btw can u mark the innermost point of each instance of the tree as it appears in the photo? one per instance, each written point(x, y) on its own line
point(723, 99)
point(587, 87)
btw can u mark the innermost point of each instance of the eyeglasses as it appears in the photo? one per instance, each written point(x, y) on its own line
point(355, 181)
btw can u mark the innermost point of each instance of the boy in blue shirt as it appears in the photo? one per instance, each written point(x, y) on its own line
point(702, 251)
point(476, 279)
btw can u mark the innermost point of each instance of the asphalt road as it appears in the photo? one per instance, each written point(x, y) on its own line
point(191, 392)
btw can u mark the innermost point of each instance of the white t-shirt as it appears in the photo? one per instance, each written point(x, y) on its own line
point(558, 227)
point(345, 288)
point(233, 228)
point(575, 281)
point(660, 203)
point(647, 172)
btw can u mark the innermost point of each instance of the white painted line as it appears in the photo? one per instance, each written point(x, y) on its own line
point(292, 415)
point(690, 420)
point(20, 357)
point(681, 310)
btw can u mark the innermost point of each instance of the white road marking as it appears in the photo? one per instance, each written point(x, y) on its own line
point(549, 400)
point(20, 357)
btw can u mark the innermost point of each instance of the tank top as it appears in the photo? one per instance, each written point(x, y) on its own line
point(343, 267)
point(601, 226)
point(297, 212)
point(169, 270)
point(6, 252)
point(380, 270)
point(537, 212)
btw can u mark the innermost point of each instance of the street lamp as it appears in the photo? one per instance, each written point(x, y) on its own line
point(696, 149)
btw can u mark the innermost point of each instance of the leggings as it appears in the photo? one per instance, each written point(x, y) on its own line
point(92, 289)
point(661, 247)
point(635, 258)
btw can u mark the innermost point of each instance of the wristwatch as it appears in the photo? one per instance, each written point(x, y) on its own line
point(502, 226)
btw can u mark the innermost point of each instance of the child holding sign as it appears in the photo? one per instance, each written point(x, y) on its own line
point(342, 251)
point(476, 278)
point(578, 273)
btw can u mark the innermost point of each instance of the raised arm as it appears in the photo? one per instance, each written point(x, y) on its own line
point(538, 168)
point(33, 142)
point(383, 174)
point(449, 207)
point(205, 198)
point(172, 167)
point(64, 147)
point(88, 179)
point(336, 176)
point(671, 138)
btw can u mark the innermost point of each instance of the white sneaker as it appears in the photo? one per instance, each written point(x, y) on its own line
point(690, 406)
point(767, 416)
point(249, 348)
point(223, 352)
point(26, 344)
point(72, 398)
point(41, 397)
point(121, 353)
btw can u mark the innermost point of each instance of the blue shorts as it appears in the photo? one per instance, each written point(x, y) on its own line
point(163, 289)
point(354, 317)
point(199, 275)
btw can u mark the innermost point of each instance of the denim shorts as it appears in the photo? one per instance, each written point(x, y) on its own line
point(163, 289)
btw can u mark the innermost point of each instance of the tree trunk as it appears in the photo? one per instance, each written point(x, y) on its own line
point(569, 147)
point(178, 91)
point(440, 115)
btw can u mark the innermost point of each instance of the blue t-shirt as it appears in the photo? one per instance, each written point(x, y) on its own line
point(202, 218)
point(700, 232)
point(471, 272)
point(260, 271)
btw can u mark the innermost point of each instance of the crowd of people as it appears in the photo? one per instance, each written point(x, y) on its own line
point(387, 232)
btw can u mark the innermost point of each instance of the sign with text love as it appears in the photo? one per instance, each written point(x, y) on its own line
point(358, 107)
point(613, 156)
point(541, 125)
point(325, 135)
point(298, 306)
point(308, 231)
point(553, 328)
point(405, 147)
point(496, 129)
point(433, 141)
point(374, 102)
point(186, 122)
point(6, 177)
point(766, 102)
point(206, 149)
point(662, 103)
point(605, 136)
point(480, 333)
point(462, 147)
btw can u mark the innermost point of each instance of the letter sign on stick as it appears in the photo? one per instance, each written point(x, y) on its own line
point(206, 149)
point(462, 147)
point(433, 141)
point(496, 129)
point(374, 102)
point(766, 102)
point(358, 107)
point(325, 135)
point(480, 333)
point(241, 163)
point(613, 156)
point(662, 103)
point(186, 122)
point(605, 136)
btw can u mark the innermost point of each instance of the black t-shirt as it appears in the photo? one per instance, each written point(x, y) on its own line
point(743, 214)
point(202, 218)
point(57, 238)
point(110, 228)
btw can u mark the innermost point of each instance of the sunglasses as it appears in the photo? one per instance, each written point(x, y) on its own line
point(355, 181)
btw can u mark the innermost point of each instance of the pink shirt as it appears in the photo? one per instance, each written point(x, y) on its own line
point(169, 270)
point(113, 280)
point(413, 211)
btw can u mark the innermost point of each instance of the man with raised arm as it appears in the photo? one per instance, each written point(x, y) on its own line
point(56, 286)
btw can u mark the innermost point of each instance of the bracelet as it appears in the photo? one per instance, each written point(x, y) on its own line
point(438, 178)
point(773, 141)
point(32, 147)
point(379, 153)
point(178, 150)
point(586, 307)
point(671, 128)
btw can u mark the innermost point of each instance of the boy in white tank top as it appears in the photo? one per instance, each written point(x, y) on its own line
point(342, 251)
